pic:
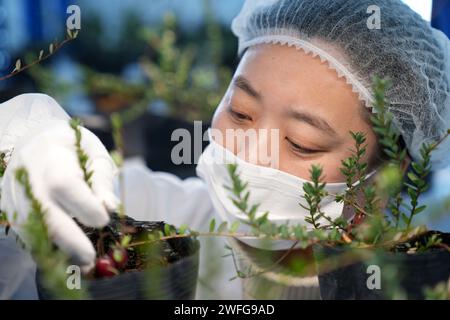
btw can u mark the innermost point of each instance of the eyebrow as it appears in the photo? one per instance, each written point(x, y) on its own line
point(315, 121)
point(312, 120)
point(243, 84)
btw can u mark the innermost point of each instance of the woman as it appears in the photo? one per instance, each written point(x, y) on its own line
point(305, 71)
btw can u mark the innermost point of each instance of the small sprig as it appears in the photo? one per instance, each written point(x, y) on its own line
point(240, 197)
point(432, 242)
point(354, 169)
point(417, 176)
point(118, 155)
point(382, 124)
point(36, 209)
point(52, 49)
point(116, 128)
point(389, 138)
point(83, 158)
point(314, 193)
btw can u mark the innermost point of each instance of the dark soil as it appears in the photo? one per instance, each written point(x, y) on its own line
point(143, 256)
point(421, 241)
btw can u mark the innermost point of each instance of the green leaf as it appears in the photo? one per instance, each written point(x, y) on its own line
point(234, 226)
point(299, 232)
point(308, 188)
point(284, 231)
point(252, 212)
point(182, 229)
point(263, 218)
point(212, 225)
point(167, 230)
point(412, 193)
point(413, 177)
point(240, 205)
point(420, 209)
point(117, 157)
point(72, 34)
point(411, 186)
point(89, 175)
point(125, 240)
point(417, 167)
point(222, 227)
point(18, 65)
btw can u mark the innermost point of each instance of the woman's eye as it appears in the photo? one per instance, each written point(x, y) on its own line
point(299, 149)
point(238, 115)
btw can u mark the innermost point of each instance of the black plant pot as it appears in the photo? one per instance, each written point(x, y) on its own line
point(176, 280)
point(413, 273)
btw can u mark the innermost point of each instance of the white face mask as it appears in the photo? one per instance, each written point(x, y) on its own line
point(276, 192)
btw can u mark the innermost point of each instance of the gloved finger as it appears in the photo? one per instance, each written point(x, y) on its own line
point(108, 199)
point(65, 185)
point(104, 170)
point(68, 236)
point(77, 199)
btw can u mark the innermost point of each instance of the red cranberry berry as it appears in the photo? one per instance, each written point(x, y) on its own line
point(105, 267)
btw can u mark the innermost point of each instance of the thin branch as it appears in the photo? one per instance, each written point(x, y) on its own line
point(56, 47)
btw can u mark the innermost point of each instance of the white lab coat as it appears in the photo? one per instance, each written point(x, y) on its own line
point(148, 195)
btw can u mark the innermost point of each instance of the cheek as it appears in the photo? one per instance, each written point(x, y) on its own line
point(220, 120)
point(331, 167)
point(330, 163)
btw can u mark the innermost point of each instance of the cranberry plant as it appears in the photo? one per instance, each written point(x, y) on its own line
point(386, 192)
point(371, 225)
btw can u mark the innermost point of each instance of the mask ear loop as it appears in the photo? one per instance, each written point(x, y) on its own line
point(367, 177)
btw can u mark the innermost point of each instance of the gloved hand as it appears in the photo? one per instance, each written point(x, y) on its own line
point(49, 155)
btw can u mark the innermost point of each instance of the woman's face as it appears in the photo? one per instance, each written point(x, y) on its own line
point(281, 87)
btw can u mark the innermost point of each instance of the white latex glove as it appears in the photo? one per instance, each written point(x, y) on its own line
point(49, 155)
